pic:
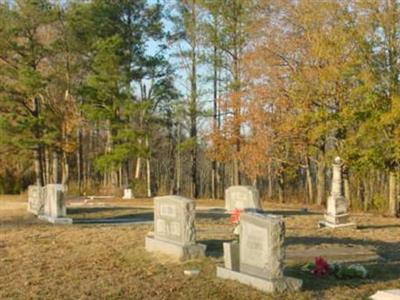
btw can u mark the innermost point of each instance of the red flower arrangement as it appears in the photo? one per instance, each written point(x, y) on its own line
point(235, 216)
point(321, 267)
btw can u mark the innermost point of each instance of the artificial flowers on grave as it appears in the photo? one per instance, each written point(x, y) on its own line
point(321, 268)
point(235, 219)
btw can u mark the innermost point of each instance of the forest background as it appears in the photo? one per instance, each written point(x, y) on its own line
point(190, 97)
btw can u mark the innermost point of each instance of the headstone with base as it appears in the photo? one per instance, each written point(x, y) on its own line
point(174, 229)
point(35, 200)
point(54, 206)
point(337, 214)
point(261, 255)
point(242, 197)
point(128, 195)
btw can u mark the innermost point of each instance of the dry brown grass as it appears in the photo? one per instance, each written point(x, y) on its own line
point(43, 261)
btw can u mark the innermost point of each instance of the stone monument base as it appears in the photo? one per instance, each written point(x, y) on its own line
point(32, 211)
point(181, 252)
point(265, 285)
point(66, 221)
point(336, 221)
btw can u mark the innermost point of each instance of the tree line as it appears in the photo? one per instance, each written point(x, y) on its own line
point(190, 97)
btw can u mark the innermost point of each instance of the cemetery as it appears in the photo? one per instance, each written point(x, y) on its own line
point(200, 149)
point(176, 247)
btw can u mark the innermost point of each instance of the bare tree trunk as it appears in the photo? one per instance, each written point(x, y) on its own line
point(321, 184)
point(310, 187)
point(236, 172)
point(47, 166)
point(281, 188)
point(393, 203)
point(65, 169)
point(270, 181)
point(55, 178)
point(79, 161)
point(120, 176)
point(346, 186)
point(148, 171)
point(178, 167)
point(38, 167)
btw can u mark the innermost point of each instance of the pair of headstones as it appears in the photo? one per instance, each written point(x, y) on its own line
point(258, 262)
point(48, 203)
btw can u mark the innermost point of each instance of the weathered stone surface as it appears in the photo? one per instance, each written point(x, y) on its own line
point(36, 200)
point(231, 256)
point(386, 295)
point(337, 219)
point(54, 206)
point(242, 197)
point(336, 215)
point(265, 285)
point(327, 224)
point(60, 221)
point(174, 219)
point(174, 228)
point(180, 252)
point(261, 255)
point(261, 245)
point(128, 194)
point(54, 201)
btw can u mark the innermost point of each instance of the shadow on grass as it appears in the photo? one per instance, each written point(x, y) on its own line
point(93, 215)
point(361, 227)
point(212, 215)
point(388, 251)
point(214, 247)
point(291, 212)
point(88, 210)
point(378, 272)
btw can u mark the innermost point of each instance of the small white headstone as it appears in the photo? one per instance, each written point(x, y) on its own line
point(386, 295)
point(128, 194)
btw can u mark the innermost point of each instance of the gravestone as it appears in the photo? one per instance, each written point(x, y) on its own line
point(174, 229)
point(35, 200)
point(128, 195)
point(242, 197)
point(261, 255)
point(54, 206)
point(337, 215)
point(386, 295)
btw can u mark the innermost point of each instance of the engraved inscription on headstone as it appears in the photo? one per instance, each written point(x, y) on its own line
point(167, 210)
point(174, 231)
point(177, 216)
point(35, 200)
point(52, 198)
point(261, 245)
point(261, 255)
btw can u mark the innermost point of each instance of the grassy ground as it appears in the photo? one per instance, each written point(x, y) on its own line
point(43, 261)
